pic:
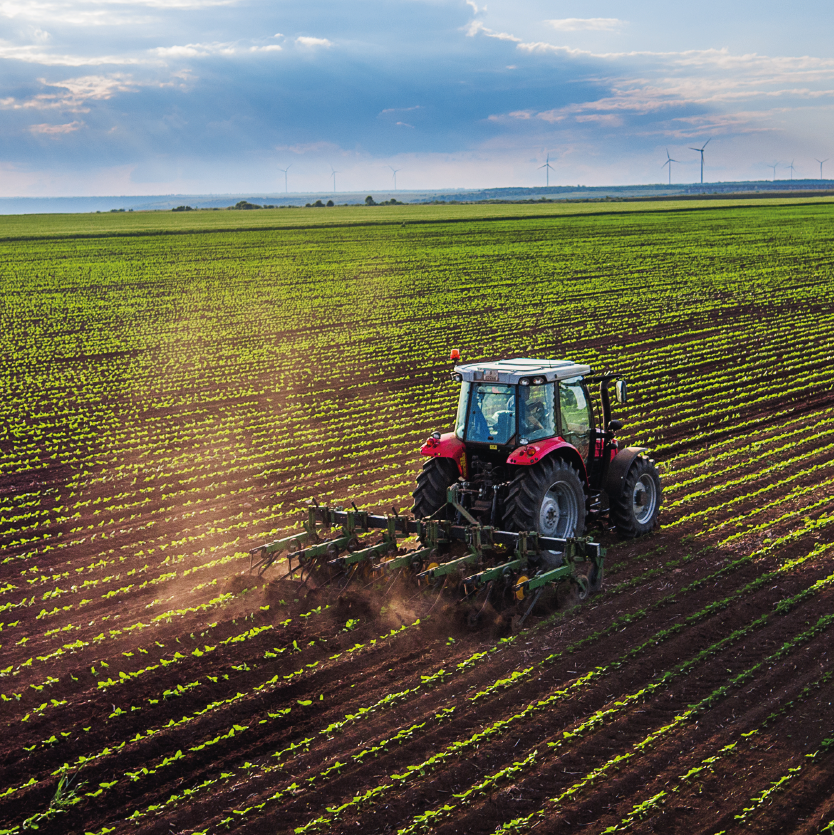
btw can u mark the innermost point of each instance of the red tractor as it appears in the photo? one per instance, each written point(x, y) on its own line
point(528, 453)
point(502, 503)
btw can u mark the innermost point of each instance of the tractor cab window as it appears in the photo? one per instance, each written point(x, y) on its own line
point(536, 415)
point(575, 415)
point(463, 402)
point(491, 415)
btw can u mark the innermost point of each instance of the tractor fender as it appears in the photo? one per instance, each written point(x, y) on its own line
point(619, 467)
point(557, 447)
point(447, 445)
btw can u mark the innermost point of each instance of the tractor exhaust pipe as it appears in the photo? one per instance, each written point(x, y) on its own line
point(605, 400)
point(609, 427)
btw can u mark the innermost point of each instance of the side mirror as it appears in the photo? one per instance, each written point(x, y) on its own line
point(620, 392)
point(615, 425)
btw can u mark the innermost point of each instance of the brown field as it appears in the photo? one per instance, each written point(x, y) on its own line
point(185, 396)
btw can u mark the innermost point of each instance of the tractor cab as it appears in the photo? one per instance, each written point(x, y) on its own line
point(512, 403)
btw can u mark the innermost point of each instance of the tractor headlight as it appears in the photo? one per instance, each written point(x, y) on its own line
point(523, 442)
point(539, 381)
point(524, 381)
point(457, 378)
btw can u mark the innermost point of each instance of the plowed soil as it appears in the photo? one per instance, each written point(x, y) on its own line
point(150, 684)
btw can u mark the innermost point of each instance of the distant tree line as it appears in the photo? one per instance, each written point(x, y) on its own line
point(369, 201)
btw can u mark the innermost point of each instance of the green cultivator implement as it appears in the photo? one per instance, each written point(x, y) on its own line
point(485, 565)
point(503, 502)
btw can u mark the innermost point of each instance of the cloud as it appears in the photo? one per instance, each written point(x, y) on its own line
point(97, 12)
point(310, 148)
point(70, 14)
point(602, 118)
point(304, 40)
point(718, 59)
point(542, 46)
point(187, 5)
point(269, 48)
point(578, 24)
point(73, 94)
point(702, 85)
point(475, 27)
point(706, 80)
point(37, 55)
point(741, 122)
point(195, 50)
point(56, 130)
point(405, 125)
point(96, 86)
point(401, 109)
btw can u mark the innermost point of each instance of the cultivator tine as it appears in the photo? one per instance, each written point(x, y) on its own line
point(292, 570)
point(351, 575)
point(489, 587)
point(439, 595)
point(272, 550)
point(396, 577)
point(304, 579)
point(530, 608)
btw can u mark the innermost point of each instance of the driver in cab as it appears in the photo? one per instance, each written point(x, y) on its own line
point(535, 417)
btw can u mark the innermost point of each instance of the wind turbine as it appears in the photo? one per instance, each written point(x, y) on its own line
point(669, 162)
point(791, 168)
point(333, 174)
point(547, 169)
point(821, 161)
point(395, 170)
point(285, 176)
point(701, 152)
point(774, 166)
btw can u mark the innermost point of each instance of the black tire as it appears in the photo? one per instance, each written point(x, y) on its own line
point(430, 494)
point(549, 498)
point(634, 512)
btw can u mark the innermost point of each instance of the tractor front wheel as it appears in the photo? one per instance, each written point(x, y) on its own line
point(430, 494)
point(634, 511)
point(548, 498)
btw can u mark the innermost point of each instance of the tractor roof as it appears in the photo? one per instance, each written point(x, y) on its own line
point(510, 372)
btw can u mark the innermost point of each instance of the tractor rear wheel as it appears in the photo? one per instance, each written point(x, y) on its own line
point(635, 510)
point(548, 498)
point(430, 494)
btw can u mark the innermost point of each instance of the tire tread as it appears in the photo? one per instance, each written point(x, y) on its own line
point(430, 493)
point(526, 492)
point(620, 506)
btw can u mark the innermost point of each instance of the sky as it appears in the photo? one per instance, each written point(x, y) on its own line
point(131, 97)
